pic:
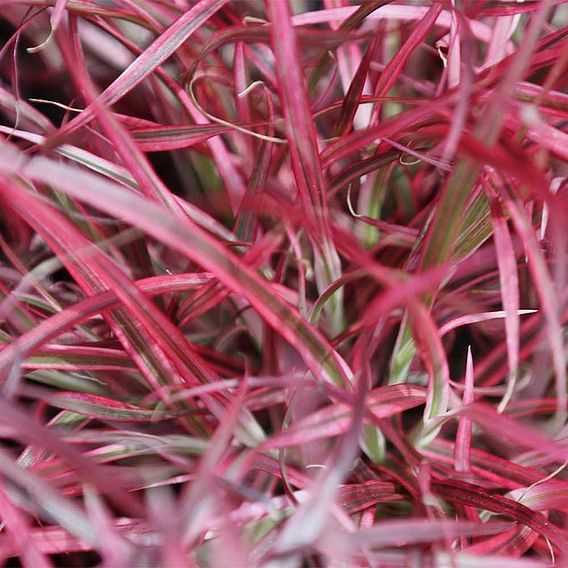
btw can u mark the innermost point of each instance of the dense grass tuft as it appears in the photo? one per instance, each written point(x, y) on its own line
point(283, 283)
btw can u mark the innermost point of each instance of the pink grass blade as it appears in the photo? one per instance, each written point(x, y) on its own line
point(354, 17)
point(548, 300)
point(165, 138)
point(351, 101)
point(18, 530)
point(361, 496)
point(502, 31)
point(476, 318)
point(513, 431)
point(462, 455)
point(358, 140)
point(244, 107)
point(57, 14)
point(304, 154)
point(509, 281)
point(543, 133)
point(391, 72)
point(430, 346)
point(246, 223)
point(76, 359)
point(543, 497)
point(334, 420)
point(96, 406)
point(399, 533)
point(467, 494)
point(115, 549)
point(311, 517)
point(198, 503)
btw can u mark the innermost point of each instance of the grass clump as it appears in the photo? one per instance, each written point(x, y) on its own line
point(283, 283)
